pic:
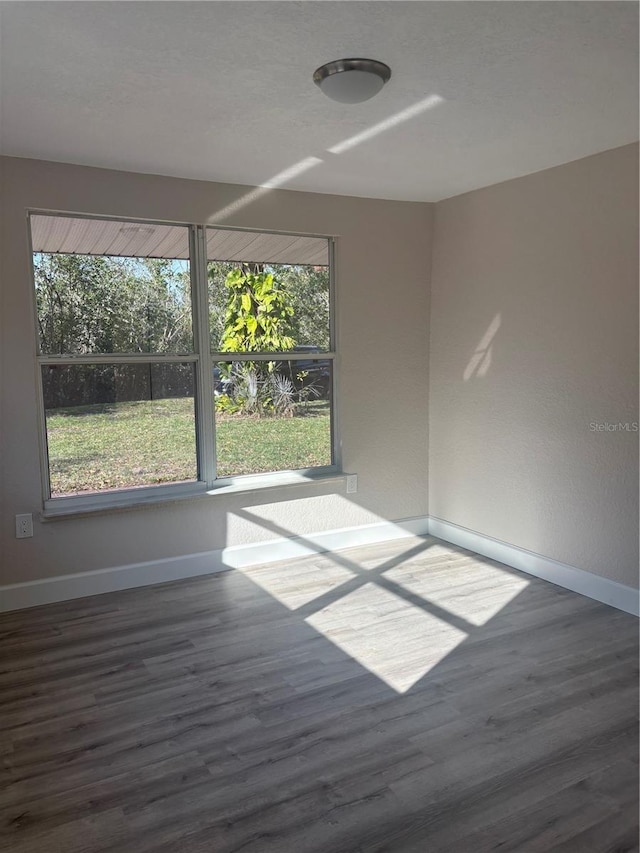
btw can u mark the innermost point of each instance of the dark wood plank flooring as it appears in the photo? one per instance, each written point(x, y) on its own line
point(409, 697)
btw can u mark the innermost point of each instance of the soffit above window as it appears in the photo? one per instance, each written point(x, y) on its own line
point(81, 236)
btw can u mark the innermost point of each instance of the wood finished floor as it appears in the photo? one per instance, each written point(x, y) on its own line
point(408, 697)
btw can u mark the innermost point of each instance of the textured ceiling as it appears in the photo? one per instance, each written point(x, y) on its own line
point(481, 91)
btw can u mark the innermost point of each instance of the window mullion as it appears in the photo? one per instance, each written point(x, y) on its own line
point(116, 358)
point(264, 355)
point(42, 435)
point(336, 444)
point(204, 368)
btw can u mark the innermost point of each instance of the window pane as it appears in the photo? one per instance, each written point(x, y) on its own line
point(111, 287)
point(267, 292)
point(272, 416)
point(119, 426)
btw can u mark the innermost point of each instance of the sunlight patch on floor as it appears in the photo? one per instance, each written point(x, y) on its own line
point(393, 639)
point(475, 592)
point(298, 585)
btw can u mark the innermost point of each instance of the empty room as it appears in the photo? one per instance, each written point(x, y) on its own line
point(319, 427)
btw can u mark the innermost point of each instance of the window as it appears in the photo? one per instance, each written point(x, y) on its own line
point(174, 358)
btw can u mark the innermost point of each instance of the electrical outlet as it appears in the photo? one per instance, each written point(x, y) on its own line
point(24, 526)
point(352, 484)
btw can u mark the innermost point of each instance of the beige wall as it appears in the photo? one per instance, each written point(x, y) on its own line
point(383, 263)
point(534, 336)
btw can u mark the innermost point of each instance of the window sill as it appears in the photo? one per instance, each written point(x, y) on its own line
point(76, 507)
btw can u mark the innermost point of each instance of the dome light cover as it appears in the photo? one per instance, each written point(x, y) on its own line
point(351, 81)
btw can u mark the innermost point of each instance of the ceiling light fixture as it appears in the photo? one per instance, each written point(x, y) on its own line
point(351, 81)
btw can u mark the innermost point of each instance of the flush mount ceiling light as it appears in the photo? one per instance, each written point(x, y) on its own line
point(351, 81)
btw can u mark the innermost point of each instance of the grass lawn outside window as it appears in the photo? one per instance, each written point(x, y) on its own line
point(123, 445)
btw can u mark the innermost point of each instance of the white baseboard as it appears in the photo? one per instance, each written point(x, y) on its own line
point(67, 587)
point(240, 556)
point(578, 580)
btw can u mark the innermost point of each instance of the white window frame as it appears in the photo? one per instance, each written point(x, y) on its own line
point(203, 360)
